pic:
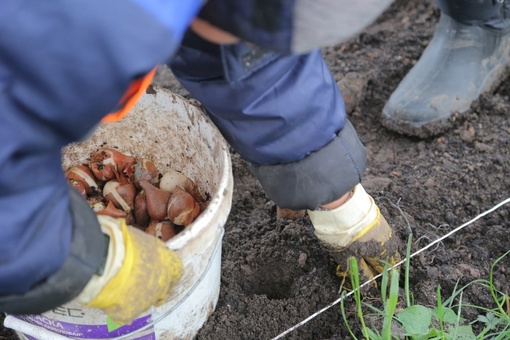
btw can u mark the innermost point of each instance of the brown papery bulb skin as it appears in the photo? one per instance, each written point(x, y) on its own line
point(191, 188)
point(121, 195)
point(156, 199)
point(84, 176)
point(182, 208)
point(144, 170)
point(107, 164)
point(78, 186)
point(130, 219)
point(112, 211)
point(164, 230)
point(140, 212)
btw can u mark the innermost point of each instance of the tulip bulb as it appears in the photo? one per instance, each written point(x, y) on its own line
point(173, 179)
point(144, 170)
point(84, 176)
point(121, 195)
point(182, 208)
point(164, 230)
point(157, 201)
point(107, 164)
point(140, 212)
point(130, 219)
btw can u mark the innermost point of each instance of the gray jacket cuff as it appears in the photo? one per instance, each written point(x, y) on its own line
point(320, 178)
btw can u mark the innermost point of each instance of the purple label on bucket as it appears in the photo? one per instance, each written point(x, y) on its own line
point(151, 336)
point(88, 331)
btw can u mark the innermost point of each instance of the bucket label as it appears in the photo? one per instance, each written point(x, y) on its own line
point(151, 336)
point(87, 331)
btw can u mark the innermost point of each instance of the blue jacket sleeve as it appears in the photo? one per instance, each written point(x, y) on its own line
point(63, 66)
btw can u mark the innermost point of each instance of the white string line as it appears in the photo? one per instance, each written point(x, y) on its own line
point(396, 265)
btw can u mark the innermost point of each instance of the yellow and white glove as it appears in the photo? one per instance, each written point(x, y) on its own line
point(140, 271)
point(357, 229)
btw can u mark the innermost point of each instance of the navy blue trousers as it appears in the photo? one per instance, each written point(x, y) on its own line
point(279, 113)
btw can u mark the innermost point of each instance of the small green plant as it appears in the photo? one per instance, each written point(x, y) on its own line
point(443, 322)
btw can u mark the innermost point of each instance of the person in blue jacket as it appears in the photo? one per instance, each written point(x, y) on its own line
point(256, 68)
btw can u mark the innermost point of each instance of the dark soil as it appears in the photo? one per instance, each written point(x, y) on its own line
point(275, 273)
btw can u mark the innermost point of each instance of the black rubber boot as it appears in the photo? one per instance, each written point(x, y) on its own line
point(461, 62)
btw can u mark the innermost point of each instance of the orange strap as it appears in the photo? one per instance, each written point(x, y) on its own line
point(131, 97)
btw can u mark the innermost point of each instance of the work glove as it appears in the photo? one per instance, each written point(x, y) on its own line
point(140, 271)
point(357, 229)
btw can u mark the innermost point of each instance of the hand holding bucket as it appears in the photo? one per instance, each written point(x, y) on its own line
point(140, 271)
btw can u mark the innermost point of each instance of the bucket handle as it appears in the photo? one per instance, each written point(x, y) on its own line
point(32, 330)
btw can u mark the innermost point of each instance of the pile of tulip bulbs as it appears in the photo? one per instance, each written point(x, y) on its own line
point(123, 186)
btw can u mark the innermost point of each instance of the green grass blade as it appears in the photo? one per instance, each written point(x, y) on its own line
point(492, 288)
point(354, 273)
point(457, 321)
point(390, 306)
point(344, 317)
point(407, 266)
point(384, 284)
point(440, 312)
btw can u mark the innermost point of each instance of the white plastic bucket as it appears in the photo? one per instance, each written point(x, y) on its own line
point(174, 134)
